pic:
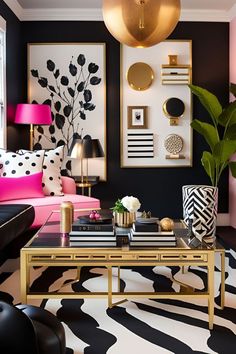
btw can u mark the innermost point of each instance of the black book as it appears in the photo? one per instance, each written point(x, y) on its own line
point(92, 233)
point(141, 227)
point(122, 240)
point(78, 226)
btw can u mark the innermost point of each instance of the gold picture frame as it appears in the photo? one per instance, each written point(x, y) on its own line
point(137, 117)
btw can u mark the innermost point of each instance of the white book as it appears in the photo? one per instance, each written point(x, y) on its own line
point(153, 238)
point(158, 244)
point(152, 233)
point(92, 244)
point(77, 233)
point(92, 238)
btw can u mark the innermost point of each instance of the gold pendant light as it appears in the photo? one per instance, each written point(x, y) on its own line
point(141, 23)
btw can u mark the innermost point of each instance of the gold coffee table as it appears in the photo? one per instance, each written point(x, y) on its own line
point(49, 248)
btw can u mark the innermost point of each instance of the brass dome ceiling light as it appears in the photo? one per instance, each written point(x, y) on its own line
point(141, 23)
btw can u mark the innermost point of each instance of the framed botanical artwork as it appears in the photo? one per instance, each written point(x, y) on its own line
point(71, 78)
point(137, 117)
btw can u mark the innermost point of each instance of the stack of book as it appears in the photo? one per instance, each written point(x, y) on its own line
point(92, 234)
point(149, 235)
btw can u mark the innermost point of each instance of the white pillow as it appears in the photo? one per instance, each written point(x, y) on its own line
point(52, 184)
point(17, 165)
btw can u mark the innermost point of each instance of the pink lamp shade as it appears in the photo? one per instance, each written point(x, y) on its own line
point(36, 114)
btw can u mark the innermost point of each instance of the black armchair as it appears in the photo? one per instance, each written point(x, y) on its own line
point(30, 329)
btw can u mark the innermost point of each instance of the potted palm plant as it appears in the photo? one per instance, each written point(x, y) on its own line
point(200, 202)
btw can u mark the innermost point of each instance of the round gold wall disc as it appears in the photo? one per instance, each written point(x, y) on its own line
point(140, 76)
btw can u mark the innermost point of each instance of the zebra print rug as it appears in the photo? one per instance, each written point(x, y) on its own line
point(141, 325)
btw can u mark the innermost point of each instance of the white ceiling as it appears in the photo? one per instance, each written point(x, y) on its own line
point(91, 10)
point(60, 4)
point(90, 4)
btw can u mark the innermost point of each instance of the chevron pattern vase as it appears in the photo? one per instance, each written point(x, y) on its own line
point(200, 205)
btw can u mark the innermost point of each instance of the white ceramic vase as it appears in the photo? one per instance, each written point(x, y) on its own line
point(200, 205)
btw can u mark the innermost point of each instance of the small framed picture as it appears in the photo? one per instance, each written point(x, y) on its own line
point(137, 117)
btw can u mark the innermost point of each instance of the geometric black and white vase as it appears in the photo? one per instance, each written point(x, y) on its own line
point(200, 205)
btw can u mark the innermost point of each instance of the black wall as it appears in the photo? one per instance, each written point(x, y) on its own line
point(14, 74)
point(159, 189)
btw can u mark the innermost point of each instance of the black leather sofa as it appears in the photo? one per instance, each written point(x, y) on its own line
point(30, 330)
point(15, 219)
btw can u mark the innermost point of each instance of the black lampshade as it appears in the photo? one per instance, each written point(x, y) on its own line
point(85, 148)
point(97, 150)
point(75, 150)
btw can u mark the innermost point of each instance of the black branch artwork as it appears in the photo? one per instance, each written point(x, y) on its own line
point(70, 98)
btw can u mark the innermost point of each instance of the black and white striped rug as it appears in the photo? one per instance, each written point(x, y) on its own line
point(140, 326)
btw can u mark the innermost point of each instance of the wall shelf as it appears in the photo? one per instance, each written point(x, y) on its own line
point(179, 74)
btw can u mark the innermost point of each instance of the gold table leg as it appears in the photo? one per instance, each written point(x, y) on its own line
point(118, 278)
point(210, 266)
point(110, 303)
point(109, 269)
point(78, 273)
point(24, 277)
point(77, 278)
point(222, 287)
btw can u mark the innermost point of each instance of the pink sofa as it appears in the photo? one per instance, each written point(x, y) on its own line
point(44, 206)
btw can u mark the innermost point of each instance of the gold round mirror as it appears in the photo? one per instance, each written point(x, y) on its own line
point(140, 76)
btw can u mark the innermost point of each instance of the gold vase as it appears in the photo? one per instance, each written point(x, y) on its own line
point(67, 216)
point(124, 219)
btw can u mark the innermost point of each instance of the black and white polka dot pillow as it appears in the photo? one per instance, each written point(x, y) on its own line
point(17, 165)
point(52, 184)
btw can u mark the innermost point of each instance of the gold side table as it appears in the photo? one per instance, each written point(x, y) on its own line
point(83, 186)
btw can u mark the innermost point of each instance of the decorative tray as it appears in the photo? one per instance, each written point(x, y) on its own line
point(102, 220)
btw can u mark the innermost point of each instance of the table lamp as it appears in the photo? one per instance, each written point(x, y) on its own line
point(84, 149)
point(33, 114)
